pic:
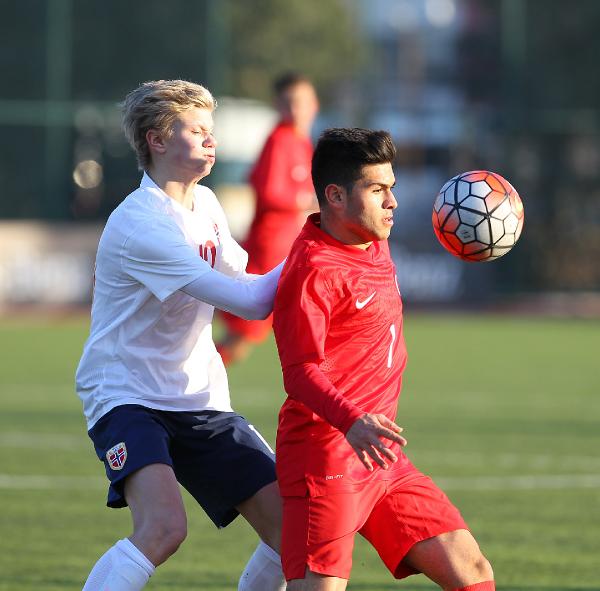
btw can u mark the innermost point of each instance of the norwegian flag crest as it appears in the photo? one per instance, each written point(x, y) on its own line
point(116, 456)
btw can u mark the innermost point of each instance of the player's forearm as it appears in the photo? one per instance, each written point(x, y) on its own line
point(306, 383)
point(251, 300)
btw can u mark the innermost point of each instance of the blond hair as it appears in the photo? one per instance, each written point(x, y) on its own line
point(155, 105)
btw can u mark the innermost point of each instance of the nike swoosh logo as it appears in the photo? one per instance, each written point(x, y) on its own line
point(360, 305)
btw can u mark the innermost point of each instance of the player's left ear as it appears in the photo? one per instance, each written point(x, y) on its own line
point(155, 141)
point(335, 195)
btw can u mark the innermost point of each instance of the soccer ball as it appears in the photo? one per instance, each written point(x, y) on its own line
point(478, 216)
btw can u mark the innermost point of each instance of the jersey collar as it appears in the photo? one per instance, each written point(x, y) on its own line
point(312, 229)
point(148, 184)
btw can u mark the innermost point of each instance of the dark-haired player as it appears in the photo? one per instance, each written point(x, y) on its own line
point(338, 326)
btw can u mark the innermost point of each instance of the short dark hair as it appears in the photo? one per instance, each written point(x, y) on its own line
point(341, 153)
point(287, 80)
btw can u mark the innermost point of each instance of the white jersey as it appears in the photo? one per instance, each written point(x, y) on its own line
point(150, 343)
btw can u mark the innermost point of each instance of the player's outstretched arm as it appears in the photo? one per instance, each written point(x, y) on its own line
point(365, 436)
point(251, 300)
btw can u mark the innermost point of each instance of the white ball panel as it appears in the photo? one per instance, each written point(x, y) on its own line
point(439, 202)
point(482, 232)
point(497, 228)
point(511, 223)
point(449, 195)
point(469, 217)
point(464, 190)
point(503, 210)
point(506, 240)
point(474, 203)
point(465, 233)
point(480, 188)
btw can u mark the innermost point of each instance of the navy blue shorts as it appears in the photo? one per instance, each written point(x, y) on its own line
point(218, 457)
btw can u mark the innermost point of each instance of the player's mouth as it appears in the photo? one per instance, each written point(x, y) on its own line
point(388, 221)
point(211, 158)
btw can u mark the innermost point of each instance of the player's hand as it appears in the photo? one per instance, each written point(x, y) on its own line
point(365, 438)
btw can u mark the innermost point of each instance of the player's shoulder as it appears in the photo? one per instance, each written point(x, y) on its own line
point(310, 257)
point(142, 212)
point(142, 204)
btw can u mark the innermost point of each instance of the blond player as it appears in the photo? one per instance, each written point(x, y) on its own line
point(153, 387)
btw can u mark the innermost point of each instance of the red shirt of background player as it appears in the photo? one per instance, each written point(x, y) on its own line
point(283, 189)
point(337, 315)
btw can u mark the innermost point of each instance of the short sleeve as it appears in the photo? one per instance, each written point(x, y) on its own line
point(301, 316)
point(233, 259)
point(158, 256)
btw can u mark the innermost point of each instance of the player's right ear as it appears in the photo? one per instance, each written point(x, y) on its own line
point(334, 195)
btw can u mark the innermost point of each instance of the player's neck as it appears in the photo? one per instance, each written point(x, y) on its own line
point(179, 190)
point(341, 233)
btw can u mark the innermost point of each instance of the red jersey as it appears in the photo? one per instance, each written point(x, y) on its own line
point(281, 172)
point(338, 326)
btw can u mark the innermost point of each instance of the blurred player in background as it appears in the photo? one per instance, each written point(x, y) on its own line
point(338, 326)
point(284, 196)
point(154, 388)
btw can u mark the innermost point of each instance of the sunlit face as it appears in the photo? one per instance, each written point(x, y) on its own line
point(190, 149)
point(367, 211)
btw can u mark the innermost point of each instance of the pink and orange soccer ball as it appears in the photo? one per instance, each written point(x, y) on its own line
point(478, 216)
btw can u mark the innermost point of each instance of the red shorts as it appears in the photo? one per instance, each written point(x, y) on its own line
point(318, 532)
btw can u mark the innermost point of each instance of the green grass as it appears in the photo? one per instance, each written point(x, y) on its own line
point(486, 401)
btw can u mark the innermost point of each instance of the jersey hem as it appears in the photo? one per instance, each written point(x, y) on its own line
point(108, 406)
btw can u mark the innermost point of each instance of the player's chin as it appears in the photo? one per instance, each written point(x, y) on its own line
point(205, 168)
point(384, 233)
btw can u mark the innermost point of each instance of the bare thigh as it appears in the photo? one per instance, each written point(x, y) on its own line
point(157, 510)
point(452, 560)
point(263, 512)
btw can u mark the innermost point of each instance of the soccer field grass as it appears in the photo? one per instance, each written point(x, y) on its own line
point(503, 412)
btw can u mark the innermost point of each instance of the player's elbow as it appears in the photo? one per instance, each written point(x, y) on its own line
point(257, 310)
point(253, 315)
point(263, 312)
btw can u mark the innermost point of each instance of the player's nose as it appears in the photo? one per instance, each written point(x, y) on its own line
point(390, 200)
point(211, 141)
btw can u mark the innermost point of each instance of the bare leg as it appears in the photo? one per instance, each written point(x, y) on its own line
point(452, 560)
point(159, 520)
point(159, 526)
point(263, 512)
point(316, 582)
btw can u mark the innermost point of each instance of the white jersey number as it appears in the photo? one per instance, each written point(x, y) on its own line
point(391, 351)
